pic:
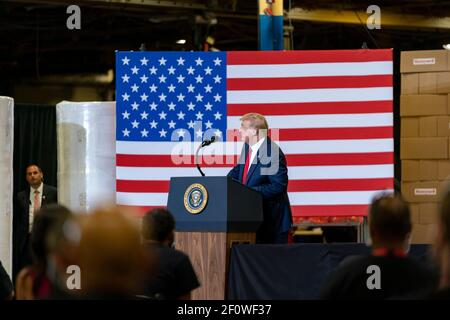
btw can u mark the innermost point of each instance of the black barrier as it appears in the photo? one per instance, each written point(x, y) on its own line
point(291, 272)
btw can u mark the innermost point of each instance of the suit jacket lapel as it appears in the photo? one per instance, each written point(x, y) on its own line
point(27, 200)
point(256, 161)
point(44, 195)
point(253, 166)
point(263, 149)
point(241, 161)
point(26, 205)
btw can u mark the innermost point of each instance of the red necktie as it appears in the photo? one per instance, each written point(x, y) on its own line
point(246, 165)
point(36, 201)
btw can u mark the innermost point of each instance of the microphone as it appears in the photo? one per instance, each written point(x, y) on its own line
point(208, 142)
point(204, 143)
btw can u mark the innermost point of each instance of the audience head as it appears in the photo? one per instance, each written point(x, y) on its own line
point(390, 222)
point(442, 240)
point(110, 255)
point(34, 176)
point(47, 218)
point(158, 225)
point(62, 243)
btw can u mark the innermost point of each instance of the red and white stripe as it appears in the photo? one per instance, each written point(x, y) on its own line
point(334, 115)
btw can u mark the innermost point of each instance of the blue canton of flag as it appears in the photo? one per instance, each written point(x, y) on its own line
point(170, 96)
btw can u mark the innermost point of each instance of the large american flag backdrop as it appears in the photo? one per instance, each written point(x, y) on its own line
point(330, 111)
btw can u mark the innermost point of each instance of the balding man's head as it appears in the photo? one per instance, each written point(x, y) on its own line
point(34, 176)
point(110, 252)
point(389, 221)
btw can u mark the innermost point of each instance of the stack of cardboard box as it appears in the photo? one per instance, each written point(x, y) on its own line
point(425, 132)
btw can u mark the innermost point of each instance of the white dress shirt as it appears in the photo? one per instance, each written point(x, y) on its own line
point(255, 149)
point(40, 189)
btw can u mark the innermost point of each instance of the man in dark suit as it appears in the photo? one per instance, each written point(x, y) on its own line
point(27, 203)
point(262, 167)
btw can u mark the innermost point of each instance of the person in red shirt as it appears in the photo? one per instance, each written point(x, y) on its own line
point(32, 281)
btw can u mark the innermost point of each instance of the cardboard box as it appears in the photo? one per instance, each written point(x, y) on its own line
point(409, 127)
point(423, 105)
point(410, 83)
point(424, 148)
point(410, 170)
point(444, 170)
point(443, 126)
point(443, 81)
point(431, 82)
point(420, 170)
point(428, 170)
point(423, 233)
point(435, 126)
point(424, 61)
point(428, 83)
point(428, 213)
point(421, 192)
point(414, 209)
point(425, 83)
point(428, 126)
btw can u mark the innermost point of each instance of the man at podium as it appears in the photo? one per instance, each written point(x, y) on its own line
point(262, 167)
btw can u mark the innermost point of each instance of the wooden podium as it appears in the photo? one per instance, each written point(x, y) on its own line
point(212, 214)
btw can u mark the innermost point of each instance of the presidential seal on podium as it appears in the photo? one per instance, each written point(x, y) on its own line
point(195, 198)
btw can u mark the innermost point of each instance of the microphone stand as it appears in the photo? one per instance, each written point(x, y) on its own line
point(203, 144)
point(196, 158)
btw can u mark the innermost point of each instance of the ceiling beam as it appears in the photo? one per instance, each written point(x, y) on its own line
point(126, 3)
point(81, 79)
point(388, 19)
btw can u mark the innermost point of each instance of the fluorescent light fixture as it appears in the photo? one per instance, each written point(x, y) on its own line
point(446, 46)
point(181, 41)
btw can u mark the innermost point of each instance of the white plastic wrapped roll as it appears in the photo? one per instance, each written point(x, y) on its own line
point(86, 154)
point(6, 172)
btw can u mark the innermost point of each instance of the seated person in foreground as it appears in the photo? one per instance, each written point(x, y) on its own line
point(33, 282)
point(388, 272)
point(6, 287)
point(107, 249)
point(442, 248)
point(174, 277)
